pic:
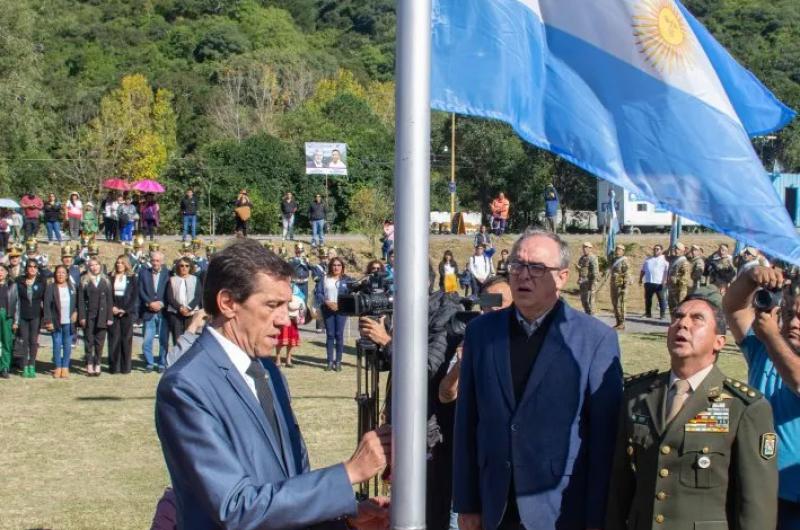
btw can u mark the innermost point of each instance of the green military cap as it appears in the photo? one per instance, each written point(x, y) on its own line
point(67, 250)
point(31, 246)
point(708, 294)
point(154, 247)
point(94, 249)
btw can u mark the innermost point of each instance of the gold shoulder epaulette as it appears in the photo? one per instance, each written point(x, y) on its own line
point(631, 380)
point(742, 390)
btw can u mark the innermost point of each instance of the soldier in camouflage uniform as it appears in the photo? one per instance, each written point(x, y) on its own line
point(588, 273)
point(679, 276)
point(698, 266)
point(721, 269)
point(695, 449)
point(620, 280)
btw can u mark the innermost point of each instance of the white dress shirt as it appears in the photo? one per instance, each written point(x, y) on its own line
point(654, 268)
point(240, 359)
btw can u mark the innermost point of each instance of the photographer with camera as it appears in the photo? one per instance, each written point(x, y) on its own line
point(764, 317)
point(442, 342)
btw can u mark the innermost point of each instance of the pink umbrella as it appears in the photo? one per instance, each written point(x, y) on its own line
point(116, 184)
point(149, 186)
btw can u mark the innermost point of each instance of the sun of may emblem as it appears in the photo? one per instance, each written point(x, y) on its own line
point(662, 35)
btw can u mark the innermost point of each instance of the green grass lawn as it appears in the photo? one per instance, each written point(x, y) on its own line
point(83, 453)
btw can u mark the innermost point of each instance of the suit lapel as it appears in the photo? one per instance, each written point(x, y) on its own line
point(552, 347)
point(502, 361)
point(242, 390)
point(655, 401)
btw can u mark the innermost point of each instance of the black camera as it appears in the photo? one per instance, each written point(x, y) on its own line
point(486, 301)
point(767, 299)
point(369, 296)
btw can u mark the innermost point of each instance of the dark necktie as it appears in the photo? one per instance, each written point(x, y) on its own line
point(265, 397)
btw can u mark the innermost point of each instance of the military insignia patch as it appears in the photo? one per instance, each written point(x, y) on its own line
point(769, 445)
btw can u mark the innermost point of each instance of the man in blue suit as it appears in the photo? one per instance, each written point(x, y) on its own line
point(153, 298)
point(538, 403)
point(230, 439)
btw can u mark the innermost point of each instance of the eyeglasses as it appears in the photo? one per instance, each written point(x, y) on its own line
point(183, 265)
point(535, 270)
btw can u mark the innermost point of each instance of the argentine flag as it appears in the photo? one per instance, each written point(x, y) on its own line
point(636, 92)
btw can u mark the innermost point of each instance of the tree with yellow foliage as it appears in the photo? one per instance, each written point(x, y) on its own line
point(135, 132)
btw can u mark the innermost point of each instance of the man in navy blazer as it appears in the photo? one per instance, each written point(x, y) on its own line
point(538, 402)
point(153, 282)
point(230, 440)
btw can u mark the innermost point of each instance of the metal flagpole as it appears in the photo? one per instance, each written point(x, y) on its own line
point(412, 218)
point(453, 167)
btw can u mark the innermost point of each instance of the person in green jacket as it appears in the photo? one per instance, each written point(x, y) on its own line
point(89, 224)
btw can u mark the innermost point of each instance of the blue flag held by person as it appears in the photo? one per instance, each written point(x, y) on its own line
point(636, 92)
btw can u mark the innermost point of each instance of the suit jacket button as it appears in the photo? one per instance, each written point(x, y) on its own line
point(659, 518)
point(664, 473)
point(514, 427)
point(661, 495)
point(665, 450)
point(508, 464)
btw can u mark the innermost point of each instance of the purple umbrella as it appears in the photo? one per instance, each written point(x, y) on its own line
point(149, 186)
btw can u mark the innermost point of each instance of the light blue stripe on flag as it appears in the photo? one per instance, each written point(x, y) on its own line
point(497, 59)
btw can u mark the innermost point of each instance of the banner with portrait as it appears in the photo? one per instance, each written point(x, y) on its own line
point(326, 158)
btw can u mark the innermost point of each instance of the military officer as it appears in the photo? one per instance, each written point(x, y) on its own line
point(721, 270)
point(679, 276)
point(698, 266)
point(136, 256)
point(68, 260)
point(15, 268)
point(695, 449)
point(32, 253)
point(151, 247)
point(588, 273)
point(620, 280)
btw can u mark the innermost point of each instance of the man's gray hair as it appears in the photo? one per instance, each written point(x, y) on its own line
point(563, 247)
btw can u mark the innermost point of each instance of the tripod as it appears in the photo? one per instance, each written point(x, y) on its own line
point(367, 400)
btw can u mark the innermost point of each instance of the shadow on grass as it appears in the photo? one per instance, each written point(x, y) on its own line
point(114, 398)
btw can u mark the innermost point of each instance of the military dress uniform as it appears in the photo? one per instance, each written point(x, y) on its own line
point(588, 272)
point(620, 279)
point(679, 278)
point(713, 467)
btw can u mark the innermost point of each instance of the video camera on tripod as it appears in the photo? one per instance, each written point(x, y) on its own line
point(369, 297)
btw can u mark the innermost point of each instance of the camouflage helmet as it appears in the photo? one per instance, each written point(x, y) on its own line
point(197, 244)
point(154, 247)
point(211, 249)
point(67, 251)
point(186, 246)
point(14, 251)
point(94, 249)
point(138, 241)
